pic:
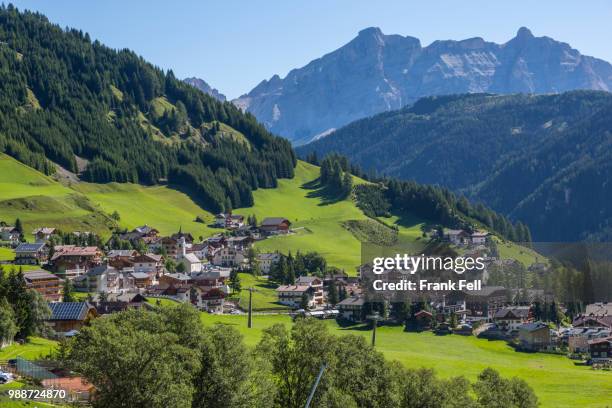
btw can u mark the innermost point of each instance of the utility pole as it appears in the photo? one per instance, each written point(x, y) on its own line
point(250, 322)
point(315, 385)
point(374, 318)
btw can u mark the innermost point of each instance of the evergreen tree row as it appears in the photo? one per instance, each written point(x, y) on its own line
point(437, 205)
point(335, 174)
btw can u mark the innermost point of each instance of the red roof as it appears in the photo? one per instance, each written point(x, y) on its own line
point(70, 384)
point(423, 312)
point(72, 250)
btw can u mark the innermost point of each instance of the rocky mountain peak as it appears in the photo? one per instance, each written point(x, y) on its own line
point(524, 33)
point(378, 72)
point(203, 86)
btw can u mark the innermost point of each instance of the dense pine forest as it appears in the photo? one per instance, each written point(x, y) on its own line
point(541, 159)
point(111, 116)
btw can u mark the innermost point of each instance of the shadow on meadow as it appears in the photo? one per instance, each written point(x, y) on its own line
point(326, 194)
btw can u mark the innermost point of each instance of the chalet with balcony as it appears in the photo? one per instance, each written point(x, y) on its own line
point(316, 284)
point(45, 283)
point(292, 295)
point(67, 316)
point(351, 308)
point(70, 260)
point(275, 225)
point(31, 254)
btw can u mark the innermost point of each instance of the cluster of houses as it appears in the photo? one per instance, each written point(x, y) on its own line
point(199, 275)
point(488, 313)
point(461, 237)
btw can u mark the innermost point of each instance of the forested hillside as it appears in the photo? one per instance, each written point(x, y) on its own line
point(111, 116)
point(544, 160)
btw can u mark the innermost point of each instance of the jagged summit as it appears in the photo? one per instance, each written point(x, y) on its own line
point(377, 72)
point(524, 32)
point(203, 86)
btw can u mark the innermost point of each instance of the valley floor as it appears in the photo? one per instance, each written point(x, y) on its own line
point(557, 381)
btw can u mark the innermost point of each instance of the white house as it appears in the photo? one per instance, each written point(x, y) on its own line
point(102, 278)
point(479, 237)
point(266, 261)
point(200, 250)
point(316, 284)
point(148, 263)
point(229, 257)
point(512, 317)
point(10, 234)
point(229, 220)
point(291, 295)
point(191, 262)
point(456, 237)
point(43, 233)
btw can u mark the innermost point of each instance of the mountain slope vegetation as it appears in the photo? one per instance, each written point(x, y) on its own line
point(333, 228)
point(68, 100)
point(544, 160)
point(126, 137)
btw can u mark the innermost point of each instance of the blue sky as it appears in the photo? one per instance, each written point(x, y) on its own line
point(234, 44)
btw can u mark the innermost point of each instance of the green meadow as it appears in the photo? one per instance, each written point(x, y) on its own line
point(264, 293)
point(557, 380)
point(159, 206)
point(317, 219)
point(39, 200)
point(35, 348)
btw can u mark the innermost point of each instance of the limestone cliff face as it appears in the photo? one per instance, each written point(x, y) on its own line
point(377, 72)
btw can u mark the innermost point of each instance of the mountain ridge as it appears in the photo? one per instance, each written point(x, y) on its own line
point(541, 159)
point(376, 72)
point(203, 86)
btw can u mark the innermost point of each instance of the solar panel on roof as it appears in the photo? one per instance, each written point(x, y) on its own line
point(67, 311)
point(29, 247)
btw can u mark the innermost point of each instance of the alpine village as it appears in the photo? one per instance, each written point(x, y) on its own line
point(159, 247)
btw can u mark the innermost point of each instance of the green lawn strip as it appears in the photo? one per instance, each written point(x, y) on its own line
point(264, 294)
point(164, 302)
point(7, 254)
point(34, 348)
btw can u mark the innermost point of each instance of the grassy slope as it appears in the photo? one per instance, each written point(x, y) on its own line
point(526, 256)
point(35, 348)
point(264, 296)
point(159, 206)
point(318, 221)
point(555, 379)
point(6, 254)
point(40, 201)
